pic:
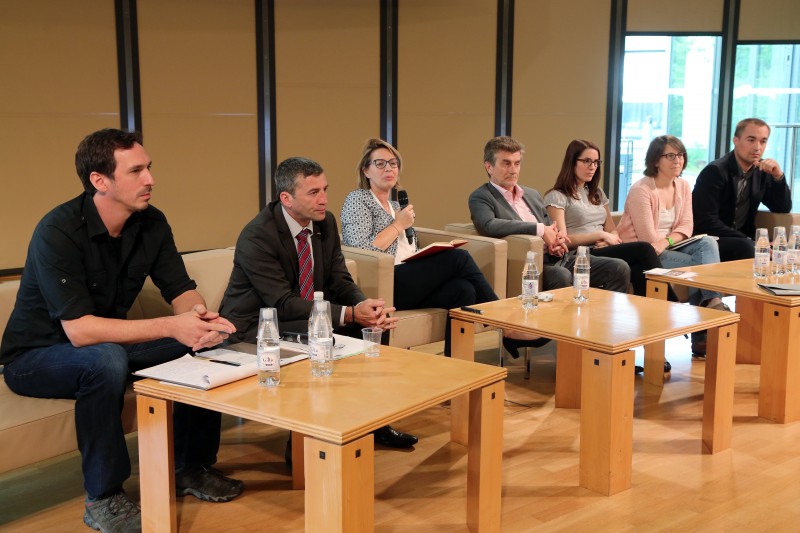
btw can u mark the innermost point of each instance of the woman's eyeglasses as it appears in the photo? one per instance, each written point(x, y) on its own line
point(672, 156)
point(381, 163)
point(591, 162)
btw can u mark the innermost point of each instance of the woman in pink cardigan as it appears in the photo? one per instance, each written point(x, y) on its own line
point(658, 210)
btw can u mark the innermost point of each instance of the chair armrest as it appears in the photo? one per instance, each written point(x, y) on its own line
point(489, 254)
point(518, 246)
point(375, 272)
point(768, 219)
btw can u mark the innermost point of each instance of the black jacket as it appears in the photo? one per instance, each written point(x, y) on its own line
point(714, 198)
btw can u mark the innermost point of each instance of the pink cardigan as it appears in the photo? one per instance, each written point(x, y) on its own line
point(640, 219)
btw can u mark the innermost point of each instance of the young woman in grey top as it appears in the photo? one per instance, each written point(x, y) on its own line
point(579, 207)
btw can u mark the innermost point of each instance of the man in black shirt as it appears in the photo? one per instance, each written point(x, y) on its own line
point(68, 336)
point(728, 191)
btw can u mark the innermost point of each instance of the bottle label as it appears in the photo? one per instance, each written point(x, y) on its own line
point(320, 349)
point(269, 358)
point(581, 281)
point(761, 259)
point(779, 256)
point(530, 288)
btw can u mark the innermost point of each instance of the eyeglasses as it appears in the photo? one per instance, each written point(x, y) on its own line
point(381, 163)
point(672, 156)
point(589, 162)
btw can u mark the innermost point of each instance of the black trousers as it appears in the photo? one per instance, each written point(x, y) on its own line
point(448, 279)
point(733, 248)
point(640, 256)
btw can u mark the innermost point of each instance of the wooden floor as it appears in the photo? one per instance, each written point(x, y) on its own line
point(755, 486)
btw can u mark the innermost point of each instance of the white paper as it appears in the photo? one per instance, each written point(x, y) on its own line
point(344, 347)
point(200, 373)
point(680, 274)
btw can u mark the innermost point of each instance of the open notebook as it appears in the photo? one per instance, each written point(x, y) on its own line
point(213, 368)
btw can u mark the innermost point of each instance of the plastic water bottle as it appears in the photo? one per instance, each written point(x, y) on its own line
point(779, 250)
point(580, 276)
point(793, 251)
point(530, 282)
point(761, 259)
point(268, 348)
point(320, 337)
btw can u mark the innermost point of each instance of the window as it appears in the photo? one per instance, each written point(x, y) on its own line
point(767, 85)
point(670, 86)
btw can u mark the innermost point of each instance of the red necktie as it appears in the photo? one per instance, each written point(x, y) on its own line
point(304, 260)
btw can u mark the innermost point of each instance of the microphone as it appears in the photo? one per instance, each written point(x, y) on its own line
point(402, 199)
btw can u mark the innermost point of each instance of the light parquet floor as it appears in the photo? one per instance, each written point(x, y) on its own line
point(751, 487)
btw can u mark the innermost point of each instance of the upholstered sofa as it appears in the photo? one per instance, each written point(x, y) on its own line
point(34, 429)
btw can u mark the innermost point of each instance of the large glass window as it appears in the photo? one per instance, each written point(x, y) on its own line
point(767, 86)
point(670, 86)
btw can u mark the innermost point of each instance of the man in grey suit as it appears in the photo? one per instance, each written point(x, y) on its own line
point(501, 207)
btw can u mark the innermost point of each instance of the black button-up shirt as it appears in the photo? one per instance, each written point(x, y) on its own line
point(74, 268)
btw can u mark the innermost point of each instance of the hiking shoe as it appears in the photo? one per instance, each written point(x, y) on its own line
point(115, 514)
point(206, 483)
point(667, 368)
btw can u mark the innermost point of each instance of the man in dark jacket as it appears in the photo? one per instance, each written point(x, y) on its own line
point(729, 190)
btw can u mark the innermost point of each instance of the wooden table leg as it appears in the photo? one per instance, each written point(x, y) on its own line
point(156, 464)
point(568, 375)
point(779, 397)
point(654, 357)
point(340, 486)
point(718, 391)
point(606, 421)
point(298, 461)
point(462, 346)
point(748, 345)
point(485, 458)
point(654, 353)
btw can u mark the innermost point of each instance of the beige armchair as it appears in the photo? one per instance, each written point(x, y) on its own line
point(518, 247)
point(417, 327)
point(768, 219)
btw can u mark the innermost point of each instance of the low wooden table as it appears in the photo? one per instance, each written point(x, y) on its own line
point(595, 367)
point(769, 332)
point(336, 415)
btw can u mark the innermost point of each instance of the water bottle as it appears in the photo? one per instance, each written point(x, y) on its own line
point(268, 348)
point(320, 337)
point(793, 251)
point(580, 275)
point(779, 250)
point(761, 259)
point(530, 282)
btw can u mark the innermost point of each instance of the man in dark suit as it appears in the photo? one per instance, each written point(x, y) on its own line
point(267, 271)
point(502, 207)
point(729, 190)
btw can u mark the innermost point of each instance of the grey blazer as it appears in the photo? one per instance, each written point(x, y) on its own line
point(494, 217)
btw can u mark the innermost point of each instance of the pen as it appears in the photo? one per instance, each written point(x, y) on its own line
point(469, 309)
point(231, 363)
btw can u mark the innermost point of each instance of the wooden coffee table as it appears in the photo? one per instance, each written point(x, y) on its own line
point(769, 332)
point(595, 367)
point(336, 415)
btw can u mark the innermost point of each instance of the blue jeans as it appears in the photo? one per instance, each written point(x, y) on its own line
point(701, 252)
point(96, 377)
